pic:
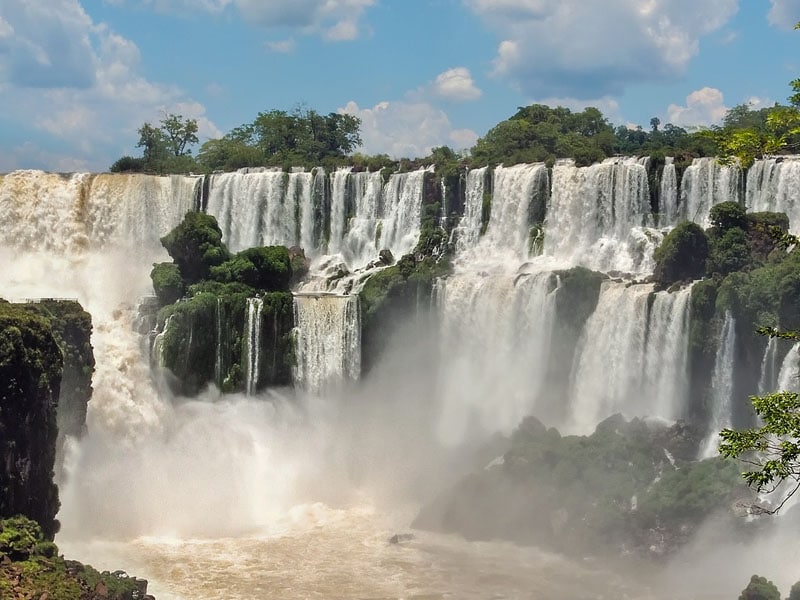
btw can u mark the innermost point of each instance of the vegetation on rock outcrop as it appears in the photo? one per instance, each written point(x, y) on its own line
point(205, 295)
point(631, 486)
point(31, 568)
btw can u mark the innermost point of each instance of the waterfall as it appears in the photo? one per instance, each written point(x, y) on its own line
point(157, 351)
point(328, 341)
point(769, 378)
point(402, 210)
point(773, 184)
point(72, 214)
point(666, 376)
point(513, 191)
point(300, 197)
point(721, 387)
point(495, 343)
point(632, 357)
point(252, 345)
point(359, 245)
point(340, 179)
point(219, 366)
point(668, 194)
point(706, 183)
point(468, 230)
point(597, 216)
point(251, 208)
point(789, 376)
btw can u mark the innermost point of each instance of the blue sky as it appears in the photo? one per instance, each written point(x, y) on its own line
point(78, 77)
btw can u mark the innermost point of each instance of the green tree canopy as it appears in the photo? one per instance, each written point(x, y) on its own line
point(196, 245)
point(302, 137)
point(539, 133)
point(760, 589)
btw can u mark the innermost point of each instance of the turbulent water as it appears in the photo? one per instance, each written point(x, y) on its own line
point(295, 493)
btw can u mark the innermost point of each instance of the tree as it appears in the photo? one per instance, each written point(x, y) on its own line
point(746, 137)
point(154, 144)
point(179, 133)
point(164, 148)
point(760, 589)
point(654, 123)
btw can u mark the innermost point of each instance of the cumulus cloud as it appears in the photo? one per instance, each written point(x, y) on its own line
point(334, 20)
point(45, 44)
point(456, 85)
point(407, 129)
point(784, 13)
point(703, 107)
point(573, 48)
point(87, 90)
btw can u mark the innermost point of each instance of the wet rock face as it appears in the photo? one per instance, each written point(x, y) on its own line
point(31, 364)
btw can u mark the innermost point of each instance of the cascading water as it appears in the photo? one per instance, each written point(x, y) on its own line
point(789, 376)
point(598, 214)
point(721, 387)
point(773, 184)
point(469, 227)
point(402, 208)
point(328, 341)
point(252, 348)
point(513, 191)
point(706, 183)
point(633, 356)
point(261, 207)
point(356, 236)
point(668, 194)
point(495, 344)
point(769, 372)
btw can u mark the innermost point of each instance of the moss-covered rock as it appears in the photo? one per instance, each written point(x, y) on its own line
point(393, 297)
point(203, 338)
point(31, 568)
point(167, 283)
point(31, 364)
point(628, 487)
point(196, 245)
point(682, 255)
point(266, 268)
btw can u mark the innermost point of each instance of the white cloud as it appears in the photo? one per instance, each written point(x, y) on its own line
point(46, 44)
point(87, 91)
point(407, 129)
point(334, 20)
point(579, 49)
point(281, 46)
point(456, 85)
point(704, 107)
point(784, 13)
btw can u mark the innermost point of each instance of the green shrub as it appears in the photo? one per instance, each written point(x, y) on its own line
point(760, 589)
point(729, 251)
point(196, 245)
point(728, 214)
point(167, 283)
point(265, 268)
point(682, 254)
